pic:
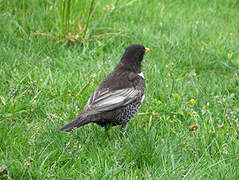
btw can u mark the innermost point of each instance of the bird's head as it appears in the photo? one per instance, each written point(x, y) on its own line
point(135, 52)
point(133, 55)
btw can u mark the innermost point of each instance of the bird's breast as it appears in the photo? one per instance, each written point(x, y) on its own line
point(141, 75)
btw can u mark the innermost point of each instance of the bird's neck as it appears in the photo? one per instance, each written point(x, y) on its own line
point(129, 66)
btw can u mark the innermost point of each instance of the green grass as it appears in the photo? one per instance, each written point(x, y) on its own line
point(44, 83)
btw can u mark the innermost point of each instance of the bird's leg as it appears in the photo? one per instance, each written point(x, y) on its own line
point(107, 127)
point(123, 129)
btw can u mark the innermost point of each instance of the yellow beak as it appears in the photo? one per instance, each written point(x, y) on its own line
point(147, 50)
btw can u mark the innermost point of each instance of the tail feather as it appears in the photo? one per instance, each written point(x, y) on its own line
point(78, 122)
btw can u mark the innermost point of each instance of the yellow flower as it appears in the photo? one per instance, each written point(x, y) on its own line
point(192, 101)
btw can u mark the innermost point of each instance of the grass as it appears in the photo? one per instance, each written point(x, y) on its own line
point(192, 79)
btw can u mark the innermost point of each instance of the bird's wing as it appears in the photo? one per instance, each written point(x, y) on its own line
point(106, 100)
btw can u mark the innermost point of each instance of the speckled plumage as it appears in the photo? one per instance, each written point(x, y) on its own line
point(123, 115)
point(119, 96)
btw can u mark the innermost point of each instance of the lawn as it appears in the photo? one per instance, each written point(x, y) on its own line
point(53, 54)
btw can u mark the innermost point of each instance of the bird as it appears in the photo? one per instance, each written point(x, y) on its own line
point(118, 98)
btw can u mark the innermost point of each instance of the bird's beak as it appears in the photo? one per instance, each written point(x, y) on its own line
point(147, 50)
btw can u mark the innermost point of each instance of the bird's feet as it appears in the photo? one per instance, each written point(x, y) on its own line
point(107, 131)
point(123, 130)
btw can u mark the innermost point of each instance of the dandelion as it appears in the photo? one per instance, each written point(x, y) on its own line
point(27, 162)
point(192, 101)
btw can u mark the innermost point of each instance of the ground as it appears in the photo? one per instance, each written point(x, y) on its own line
point(188, 125)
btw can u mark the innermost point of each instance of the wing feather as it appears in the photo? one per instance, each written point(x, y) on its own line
point(106, 100)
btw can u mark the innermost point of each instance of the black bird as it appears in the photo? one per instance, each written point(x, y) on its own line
point(118, 97)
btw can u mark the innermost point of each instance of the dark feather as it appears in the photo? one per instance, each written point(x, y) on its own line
point(118, 97)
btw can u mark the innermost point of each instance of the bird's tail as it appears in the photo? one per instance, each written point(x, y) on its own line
point(78, 122)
